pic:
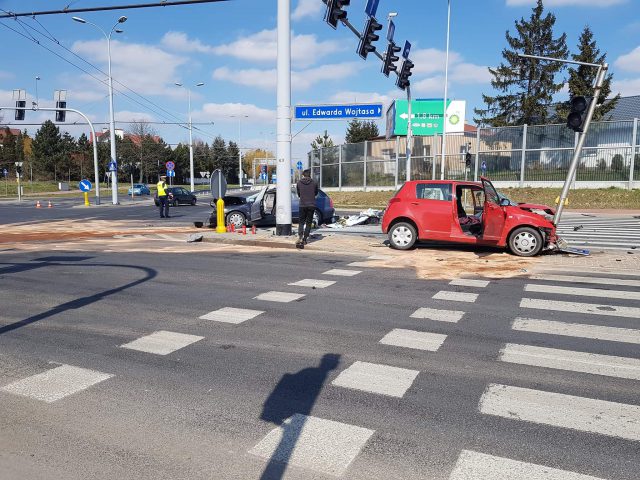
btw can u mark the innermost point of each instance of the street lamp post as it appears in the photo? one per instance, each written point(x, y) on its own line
point(446, 85)
point(37, 100)
point(112, 131)
point(192, 182)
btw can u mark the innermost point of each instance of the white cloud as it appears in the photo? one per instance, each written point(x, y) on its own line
point(232, 112)
point(6, 75)
point(567, 3)
point(429, 86)
point(180, 42)
point(361, 97)
point(629, 61)
point(125, 116)
point(431, 60)
point(263, 47)
point(627, 87)
point(307, 8)
point(469, 73)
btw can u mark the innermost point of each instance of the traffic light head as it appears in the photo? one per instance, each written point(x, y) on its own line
point(61, 115)
point(369, 36)
point(335, 11)
point(20, 104)
point(578, 114)
point(403, 78)
point(467, 160)
point(390, 59)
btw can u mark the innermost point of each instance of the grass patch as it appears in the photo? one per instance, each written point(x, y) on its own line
point(9, 189)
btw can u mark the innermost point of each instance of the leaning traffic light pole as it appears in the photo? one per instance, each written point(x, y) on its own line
point(574, 121)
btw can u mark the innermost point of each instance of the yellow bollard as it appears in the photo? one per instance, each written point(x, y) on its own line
point(220, 228)
point(86, 199)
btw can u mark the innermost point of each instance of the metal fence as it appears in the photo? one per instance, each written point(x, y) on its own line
point(536, 155)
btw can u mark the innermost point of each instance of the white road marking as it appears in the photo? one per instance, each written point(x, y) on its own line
point(578, 279)
point(162, 342)
point(585, 292)
point(560, 410)
point(480, 466)
point(596, 332)
point(607, 271)
point(380, 257)
point(342, 273)
point(583, 308)
point(607, 365)
point(314, 443)
point(456, 296)
point(414, 339)
point(469, 282)
point(56, 383)
point(453, 316)
point(281, 297)
point(231, 315)
point(376, 378)
point(308, 282)
point(360, 264)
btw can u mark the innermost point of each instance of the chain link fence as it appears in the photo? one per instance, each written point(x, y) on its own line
point(536, 156)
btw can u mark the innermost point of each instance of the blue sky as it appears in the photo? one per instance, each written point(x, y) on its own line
point(231, 47)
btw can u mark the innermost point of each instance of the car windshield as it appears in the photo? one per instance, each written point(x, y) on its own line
point(504, 197)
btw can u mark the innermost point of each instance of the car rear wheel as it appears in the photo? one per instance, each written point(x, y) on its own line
point(175, 203)
point(525, 242)
point(237, 219)
point(402, 236)
point(193, 201)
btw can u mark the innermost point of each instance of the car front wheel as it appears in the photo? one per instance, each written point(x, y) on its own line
point(402, 236)
point(237, 219)
point(525, 242)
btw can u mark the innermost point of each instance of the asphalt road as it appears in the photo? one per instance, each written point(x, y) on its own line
point(309, 382)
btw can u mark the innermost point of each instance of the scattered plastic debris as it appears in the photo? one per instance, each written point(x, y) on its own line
point(194, 237)
point(366, 217)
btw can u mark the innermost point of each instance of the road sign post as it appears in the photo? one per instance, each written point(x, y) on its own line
point(85, 187)
point(219, 185)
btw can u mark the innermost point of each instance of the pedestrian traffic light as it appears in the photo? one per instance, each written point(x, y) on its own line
point(390, 59)
point(335, 12)
point(61, 114)
point(20, 104)
point(578, 115)
point(368, 37)
point(467, 160)
point(405, 72)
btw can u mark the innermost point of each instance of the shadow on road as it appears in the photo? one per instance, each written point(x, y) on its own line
point(294, 394)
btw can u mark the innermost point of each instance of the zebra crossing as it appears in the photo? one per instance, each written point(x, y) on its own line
point(601, 232)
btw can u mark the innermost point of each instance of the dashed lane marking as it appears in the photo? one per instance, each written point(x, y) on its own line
point(453, 316)
point(56, 383)
point(596, 332)
point(413, 339)
point(162, 342)
point(560, 410)
point(231, 315)
point(311, 283)
point(376, 378)
point(314, 443)
point(281, 297)
point(456, 296)
point(582, 308)
point(342, 273)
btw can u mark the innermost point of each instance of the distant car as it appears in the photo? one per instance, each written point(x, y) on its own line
point(466, 213)
point(258, 207)
point(177, 196)
point(139, 189)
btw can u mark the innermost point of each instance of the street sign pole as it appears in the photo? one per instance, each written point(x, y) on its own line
point(409, 133)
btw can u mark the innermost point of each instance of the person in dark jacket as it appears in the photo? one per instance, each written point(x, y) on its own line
point(307, 190)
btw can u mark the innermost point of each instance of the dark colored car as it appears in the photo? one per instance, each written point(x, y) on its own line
point(177, 196)
point(259, 207)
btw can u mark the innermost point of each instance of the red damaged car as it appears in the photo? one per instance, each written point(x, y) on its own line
point(471, 213)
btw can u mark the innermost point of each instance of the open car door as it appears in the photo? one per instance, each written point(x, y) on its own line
point(493, 215)
point(257, 207)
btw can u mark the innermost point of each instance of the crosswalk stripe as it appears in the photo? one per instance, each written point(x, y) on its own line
point(281, 297)
point(400, 337)
point(231, 315)
point(481, 466)
point(584, 292)
point(342, 273)
point(468, 282)
point(582, 362)
point(311, 283)
point(456, 296)
point(578, 279)
point(583, 308)
point(596, 332)
point(560, 410)
point(601, 271)
point(452, 316)
point(376, 378)
point(162, 342)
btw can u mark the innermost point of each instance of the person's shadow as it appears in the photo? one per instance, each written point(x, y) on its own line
point(293, 396)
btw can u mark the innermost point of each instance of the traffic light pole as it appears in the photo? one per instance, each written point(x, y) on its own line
point(597, 88)
point(409, 148)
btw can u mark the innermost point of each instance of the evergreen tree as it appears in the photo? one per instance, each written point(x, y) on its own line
point(322, 141)
point(47, 147)
point(67, 149)
point(527, 86)
point(180, 156)
point(84, 156)
point(582, 79)
point(233, 152)
point(358, 131)
point(219, 154)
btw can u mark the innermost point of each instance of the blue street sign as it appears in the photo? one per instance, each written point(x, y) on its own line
point(263, 176)
point(113, 166)
point(171, 173)
point(263, 168)
point(299, 165)
point(391, 31)
point(84, 185)
point(338, 112)
point(372, 7)
point(407, 49)
point(170, 165)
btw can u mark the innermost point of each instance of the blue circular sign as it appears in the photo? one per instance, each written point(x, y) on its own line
point(299, 165)
point(170, 165)
point(84, 185)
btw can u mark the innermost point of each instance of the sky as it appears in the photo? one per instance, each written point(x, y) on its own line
point(231, 47)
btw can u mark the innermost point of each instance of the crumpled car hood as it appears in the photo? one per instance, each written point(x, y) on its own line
point(530, 207)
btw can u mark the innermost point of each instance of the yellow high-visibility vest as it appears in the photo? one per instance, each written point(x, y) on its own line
point(161, 186)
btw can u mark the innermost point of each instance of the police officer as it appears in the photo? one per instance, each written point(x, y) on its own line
point(163, 198)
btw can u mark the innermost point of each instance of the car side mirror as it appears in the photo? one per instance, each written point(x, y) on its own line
point(504, 202)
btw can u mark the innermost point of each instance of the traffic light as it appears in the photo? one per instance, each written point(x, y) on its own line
point(403, 78)
point(18, 170)
point(20, 113)
point(335, 11)
point(578, 115)
point(61, 114)
point(467, 160)
point(390, 59)
point(368, 37)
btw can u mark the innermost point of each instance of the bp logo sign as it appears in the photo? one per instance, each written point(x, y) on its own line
point(454, 119)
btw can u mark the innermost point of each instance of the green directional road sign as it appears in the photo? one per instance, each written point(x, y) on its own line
point(426, 117)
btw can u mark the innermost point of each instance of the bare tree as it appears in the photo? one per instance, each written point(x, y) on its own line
point(141, 130)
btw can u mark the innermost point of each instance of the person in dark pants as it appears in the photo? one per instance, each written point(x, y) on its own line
point(307, 190)
point(163, 198)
